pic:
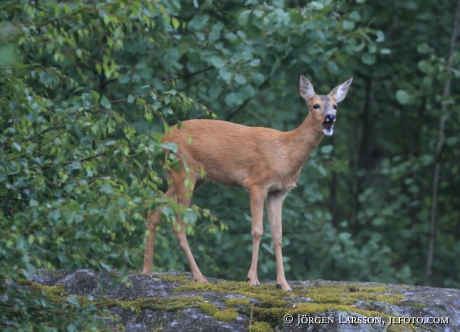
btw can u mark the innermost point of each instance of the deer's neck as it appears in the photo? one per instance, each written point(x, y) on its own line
point(304, 140)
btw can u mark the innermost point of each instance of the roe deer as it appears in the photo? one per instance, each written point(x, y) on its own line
point(265, 161)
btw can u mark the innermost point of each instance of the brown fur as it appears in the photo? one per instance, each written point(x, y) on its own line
point(265, 161)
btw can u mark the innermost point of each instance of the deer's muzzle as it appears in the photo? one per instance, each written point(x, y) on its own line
point(328, 124)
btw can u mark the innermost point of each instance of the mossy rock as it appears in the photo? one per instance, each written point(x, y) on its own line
point(174, 302)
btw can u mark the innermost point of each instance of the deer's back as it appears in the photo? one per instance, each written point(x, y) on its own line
point(231, 153)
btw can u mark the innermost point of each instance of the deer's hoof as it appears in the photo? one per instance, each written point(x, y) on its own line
point(289, 289)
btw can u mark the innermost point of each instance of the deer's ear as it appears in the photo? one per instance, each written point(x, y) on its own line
point(305, 87)
point(340, 91)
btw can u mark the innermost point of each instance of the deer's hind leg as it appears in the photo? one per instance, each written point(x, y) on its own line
point(152, 223)
point(184, 196)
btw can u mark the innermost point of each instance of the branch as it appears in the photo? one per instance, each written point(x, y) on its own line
point(60, 18)
point(188, 75)
point(53, 127)
point(103, 85)
point(242, 106)
point(47, 129)
point(439, 149)
point(64, 164)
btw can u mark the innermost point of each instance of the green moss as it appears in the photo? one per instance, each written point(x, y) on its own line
point(208, 308)
point(261, 327)
point(271, 315)
point(343, 294)
point(153, 303)
point(58, 294)
point(237, 301)
point(55, 293)
point(268, 294)
point(272, 304)
point(225, 315)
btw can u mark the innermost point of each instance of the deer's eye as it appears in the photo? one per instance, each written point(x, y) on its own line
point(316, 106)
point(334, 107)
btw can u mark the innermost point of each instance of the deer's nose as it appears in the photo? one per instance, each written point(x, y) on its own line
point(330, 118)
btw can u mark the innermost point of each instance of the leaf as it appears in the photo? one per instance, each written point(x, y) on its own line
point(106, 188)
point(240, 79)
point(327, 149)
point(427, 81)
point(105, 266)
point(233, 99)
point(316, 5)
point(254, 62)
point(8, 54)
point(17, 146)
point(425, 66)
point(322, 170)
point(73, 301)
point(402, 97)
point(368, 59)
point(217, 62)
point(379, 221)
point(423, 48)
point(215, 32)
point(124, 78)
point(244, 17)
point(451, 141)
point(345, 236)
point(332, 66)
point(95, 95)
point(170, 146)
point(105, 102)
point(198, 22)
point(71, 327)
point(354, 16)
point(258, 78)
point(456, 72)
point(175, 23)
point(348, 25)
point(247, 91)
point(295, 16)
point(75, 165)
point(225, 73)
point(380, 36)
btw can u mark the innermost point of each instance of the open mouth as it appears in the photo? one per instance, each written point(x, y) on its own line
point(328, 128)
point(328, 124)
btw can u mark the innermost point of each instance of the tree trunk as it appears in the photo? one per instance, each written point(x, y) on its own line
point(439, 148)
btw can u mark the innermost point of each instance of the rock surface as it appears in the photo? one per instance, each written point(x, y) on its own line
point(172, 302)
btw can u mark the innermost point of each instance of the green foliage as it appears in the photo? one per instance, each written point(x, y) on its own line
point(88, 88)
point(78, 178)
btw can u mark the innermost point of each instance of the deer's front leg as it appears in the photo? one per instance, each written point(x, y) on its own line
point(257, 210)
point(274, 207)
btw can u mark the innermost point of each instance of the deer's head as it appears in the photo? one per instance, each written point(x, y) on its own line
point(323, 108)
